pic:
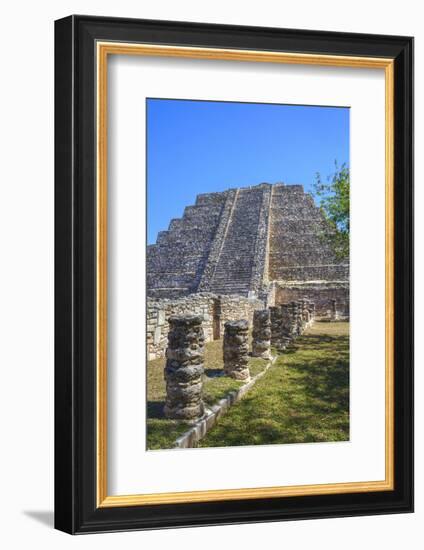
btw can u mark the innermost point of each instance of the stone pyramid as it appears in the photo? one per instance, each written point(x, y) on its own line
point(242, 241)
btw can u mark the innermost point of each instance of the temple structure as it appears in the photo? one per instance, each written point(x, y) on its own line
point(267, 242)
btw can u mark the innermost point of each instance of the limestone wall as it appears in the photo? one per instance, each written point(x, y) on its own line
point(215, 310)
point(238, 307)
point(322, 294)
point(159, 311)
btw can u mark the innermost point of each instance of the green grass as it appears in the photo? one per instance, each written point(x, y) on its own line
point(161, 432)
point(303, 398)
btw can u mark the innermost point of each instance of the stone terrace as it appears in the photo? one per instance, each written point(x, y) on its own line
point(177, 260)
point(235, 264)
point(297, 251)
point(266, 241)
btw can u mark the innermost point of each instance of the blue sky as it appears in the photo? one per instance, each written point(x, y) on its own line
point(204, 146)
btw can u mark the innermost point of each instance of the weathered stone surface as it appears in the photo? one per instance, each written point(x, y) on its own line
point(215, 310)
point(334, 315)
point(303, 315)
point(296, 317)
point(310, 312)
point(236, 349)
point(276, 327)
point(298, 250)
point(157, 335)
point(238, 307)
point(292, 320)
point(175, 263)
point(261, 334)
point(321, 293)
point(236, 266)
point(184, 368)
point(288, 326)
point(161, 317)
point(240, 240)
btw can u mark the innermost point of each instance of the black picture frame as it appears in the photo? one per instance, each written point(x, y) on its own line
point(76, 510)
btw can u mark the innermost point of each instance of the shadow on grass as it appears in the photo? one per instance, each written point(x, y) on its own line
point(303, 398)
point(325, 378)
point(214, 373)
point(155, 409)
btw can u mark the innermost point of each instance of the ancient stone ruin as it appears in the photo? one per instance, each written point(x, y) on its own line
point(266, 242)
point(184, 368)
point(236, 349)
point(215, 310)
point(254, 260)
point(296, 316)
point(261, 334)
point(288, 321)
point(277, 327)
point(288, 326)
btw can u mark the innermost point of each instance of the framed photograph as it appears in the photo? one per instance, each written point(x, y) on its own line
point(233, 273)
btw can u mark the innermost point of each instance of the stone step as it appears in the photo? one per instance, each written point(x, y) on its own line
point(243, 291)
point(240, 281)
point(295, 246)
point(178, 258)
point(217, 244)
point(233, 271)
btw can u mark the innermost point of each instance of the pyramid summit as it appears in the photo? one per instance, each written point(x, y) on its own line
point(266, 241)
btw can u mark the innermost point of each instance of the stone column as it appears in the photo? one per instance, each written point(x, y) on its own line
point(303, 316)
point(333, 310)
point(307, 318)
point(236, 349)
point(311, 308)
point(287, 326)
point(261, 343)
point(184, 368)
point(276, 327)
point(302, 320)
point(295, 321)
point(308, 313)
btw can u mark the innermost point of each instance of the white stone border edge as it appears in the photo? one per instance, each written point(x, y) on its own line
point(199, 430)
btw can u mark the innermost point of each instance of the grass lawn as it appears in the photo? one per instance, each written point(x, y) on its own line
point(303, 398)
point(161, 432)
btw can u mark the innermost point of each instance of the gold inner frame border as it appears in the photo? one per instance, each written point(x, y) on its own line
point(103, 50)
